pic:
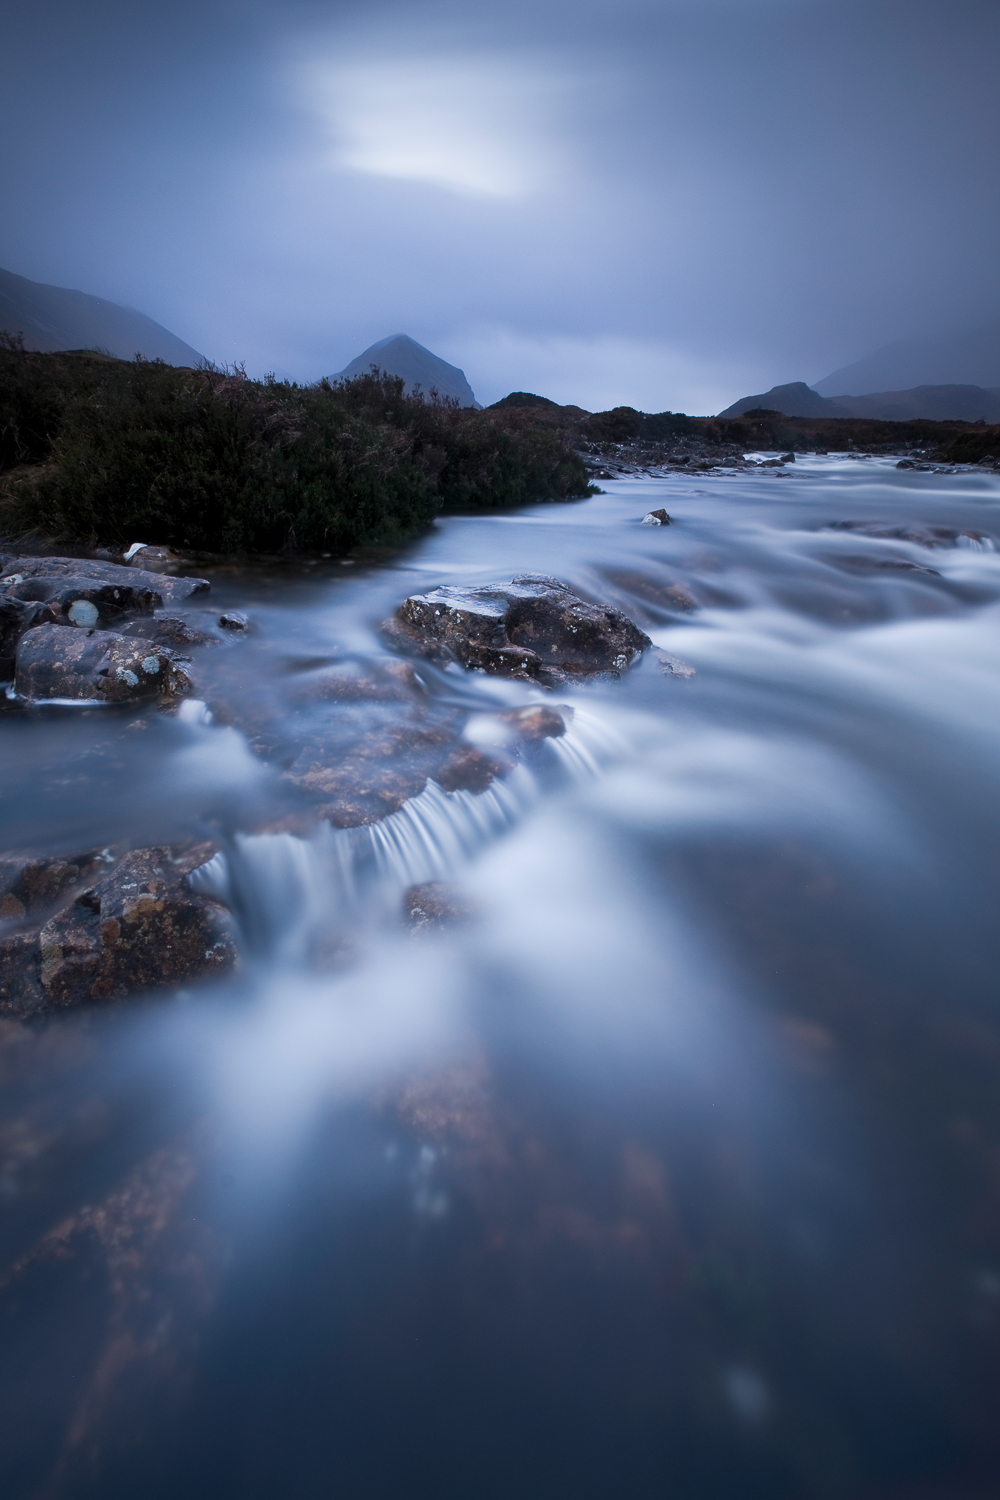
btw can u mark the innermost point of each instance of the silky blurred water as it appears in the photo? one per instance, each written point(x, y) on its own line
point(674, 1168)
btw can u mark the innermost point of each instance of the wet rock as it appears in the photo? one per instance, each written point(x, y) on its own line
point(532, 628)
point(16, 617)
point(662, 593)
point(153, 559)
point(234, 619)
point(171, 591)
point(434, 905)
point(140, 927)
point(168, 630)
point(382, 682)
point(468, 769)
point(30, 884)
point(81, 601)
point(362, 770)
point(923, 536)
point(54, 662)
point(528, 725)
point(656, 518)
point(674, 666)
point(884, 565)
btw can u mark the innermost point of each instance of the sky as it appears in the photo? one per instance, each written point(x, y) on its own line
point(668, 205)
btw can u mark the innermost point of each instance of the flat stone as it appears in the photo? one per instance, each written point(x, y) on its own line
point(170, 589)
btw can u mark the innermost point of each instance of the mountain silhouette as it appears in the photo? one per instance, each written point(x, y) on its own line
point(53, 317)
point(401, 355)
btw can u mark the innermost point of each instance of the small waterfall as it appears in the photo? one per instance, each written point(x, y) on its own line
point(286, 892)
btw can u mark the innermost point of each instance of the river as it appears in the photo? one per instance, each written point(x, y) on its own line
point(671, 1167)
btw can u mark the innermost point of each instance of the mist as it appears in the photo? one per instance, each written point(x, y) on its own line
point(663, 205)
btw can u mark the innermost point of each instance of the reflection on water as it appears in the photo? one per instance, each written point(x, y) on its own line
point(667, 1162)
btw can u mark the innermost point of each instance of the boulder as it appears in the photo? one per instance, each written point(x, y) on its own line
point(139, 927)
point(531, 628)
point(54, 662)
point(656, 518)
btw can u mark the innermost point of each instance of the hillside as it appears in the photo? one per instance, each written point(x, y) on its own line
point(54, 318)
point(417, 367)
point(935, 403)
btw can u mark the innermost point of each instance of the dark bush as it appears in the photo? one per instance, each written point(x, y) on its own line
point(212, 460)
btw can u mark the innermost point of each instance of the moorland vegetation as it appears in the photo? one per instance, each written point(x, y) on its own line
point(97, 451)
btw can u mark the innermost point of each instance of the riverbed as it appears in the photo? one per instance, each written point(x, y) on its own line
point(665, 1161)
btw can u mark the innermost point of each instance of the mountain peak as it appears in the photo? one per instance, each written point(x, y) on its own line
point(419, 368)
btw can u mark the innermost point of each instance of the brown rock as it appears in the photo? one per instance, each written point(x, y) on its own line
point(30, 885)
point(138, 928)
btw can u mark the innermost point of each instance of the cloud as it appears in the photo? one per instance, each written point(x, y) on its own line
point(472, 125)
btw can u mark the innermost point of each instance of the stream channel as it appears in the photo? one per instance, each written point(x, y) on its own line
point(668, 1167)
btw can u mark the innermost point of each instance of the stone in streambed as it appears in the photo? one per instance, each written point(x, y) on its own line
point(168, 630)
point(138, 928)
point(30, 884)
point(656, 518)
point(54, 662)
point(434, 906)
point(533, 628)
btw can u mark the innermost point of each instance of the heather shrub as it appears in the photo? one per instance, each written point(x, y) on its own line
point(211, 460)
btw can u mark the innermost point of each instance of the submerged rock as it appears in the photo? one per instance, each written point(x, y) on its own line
point(434, 906)
point(534, 628)
point(53, 662)
point(30, 885)
point(656, 518)
point(139, 927)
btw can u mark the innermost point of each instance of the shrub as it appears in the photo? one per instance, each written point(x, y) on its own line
point(212, 460)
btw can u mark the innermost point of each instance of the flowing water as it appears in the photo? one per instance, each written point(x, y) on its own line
point(673, 1169)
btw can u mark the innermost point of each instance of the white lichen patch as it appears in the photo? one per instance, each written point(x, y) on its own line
point(83, 614)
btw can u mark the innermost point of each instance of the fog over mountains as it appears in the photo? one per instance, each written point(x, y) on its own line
point(937, 403)
point(952, 377)
point(968, 357)
point(53, 317)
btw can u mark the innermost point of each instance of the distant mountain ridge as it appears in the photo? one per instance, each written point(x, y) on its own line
point(53, 318)
point(969, 357)
point(936, 403)
point(418, 367)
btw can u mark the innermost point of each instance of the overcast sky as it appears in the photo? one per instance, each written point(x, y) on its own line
point(668, 204)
